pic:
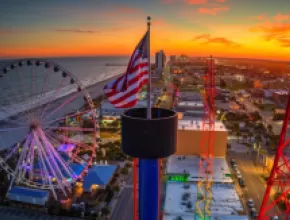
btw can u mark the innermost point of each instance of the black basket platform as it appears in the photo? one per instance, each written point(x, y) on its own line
point(149, 139)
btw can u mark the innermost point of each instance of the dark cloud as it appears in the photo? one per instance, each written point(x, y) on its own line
point(78, 31)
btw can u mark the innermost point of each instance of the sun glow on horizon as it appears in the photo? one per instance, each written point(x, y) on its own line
point(196, 28)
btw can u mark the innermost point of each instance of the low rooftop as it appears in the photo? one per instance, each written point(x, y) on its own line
point(225, 202)
point(190, 104)
point(177, 164)
point(28, 195)
point(99, 175)
point(196, 124)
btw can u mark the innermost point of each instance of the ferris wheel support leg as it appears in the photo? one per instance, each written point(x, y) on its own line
point(46, 175)
point(49, 158)
point(17, 172)
point(11, 182)
point(64, 164)
point(59, 181)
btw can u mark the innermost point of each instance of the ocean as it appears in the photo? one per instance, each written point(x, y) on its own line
point(24, 88)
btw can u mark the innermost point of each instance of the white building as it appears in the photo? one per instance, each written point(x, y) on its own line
point(225, 203)
point(190, 106)
point(239, 77)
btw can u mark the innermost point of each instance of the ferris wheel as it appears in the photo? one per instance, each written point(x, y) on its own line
point(48, 126)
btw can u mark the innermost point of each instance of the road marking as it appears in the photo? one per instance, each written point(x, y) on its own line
point(119, 202)
point(130, 197)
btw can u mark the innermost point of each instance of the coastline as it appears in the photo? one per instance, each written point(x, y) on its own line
point(96, 90)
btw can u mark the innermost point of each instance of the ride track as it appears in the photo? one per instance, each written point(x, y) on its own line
point(279, 180)
point(206, 169)
point(38, 119)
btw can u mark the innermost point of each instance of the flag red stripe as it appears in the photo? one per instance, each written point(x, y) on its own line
point(123, 91)
point(140, 65)
point(128, 94)
point(131, 82)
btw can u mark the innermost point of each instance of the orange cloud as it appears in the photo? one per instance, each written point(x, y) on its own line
point(190, 2)
point(212, 11)
point(281, 17)
point(259, 17)
point(77, 31)
point(220, 1)
point(275, 32)
point(159, 22)
point(208, 39)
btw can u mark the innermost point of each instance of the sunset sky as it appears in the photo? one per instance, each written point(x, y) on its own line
point(227, 28)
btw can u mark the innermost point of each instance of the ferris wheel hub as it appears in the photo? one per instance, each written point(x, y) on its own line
point(34, 125)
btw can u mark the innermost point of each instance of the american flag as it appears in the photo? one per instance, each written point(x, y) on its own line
point(123, 91)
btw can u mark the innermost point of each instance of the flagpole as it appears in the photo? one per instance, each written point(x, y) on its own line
point(148, 168)
point(149, 71)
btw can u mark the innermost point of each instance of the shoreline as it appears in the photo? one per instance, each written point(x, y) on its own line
point(94, 91)
point(97, 88)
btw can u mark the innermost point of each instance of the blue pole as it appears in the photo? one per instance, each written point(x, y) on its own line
point(148, 189)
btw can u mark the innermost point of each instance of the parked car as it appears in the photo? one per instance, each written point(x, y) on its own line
point(242, 183)
point(233, 161)
point(250, 203)
point(235, 168)
point(239, 175)
point(254, 213)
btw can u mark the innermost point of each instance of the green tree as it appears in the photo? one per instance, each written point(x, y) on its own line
point(124, 171)
point(270, 130)
point(128, 165)
point(105, 211)
point(250, 136)
point(223, 84)
point(260, 128)
point(236, 130)
point(115, 123)
point(176, 82)
point(116, 188)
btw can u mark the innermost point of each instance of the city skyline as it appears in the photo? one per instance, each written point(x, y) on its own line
point(224, 28)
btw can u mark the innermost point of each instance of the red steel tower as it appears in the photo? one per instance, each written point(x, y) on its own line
point(277, 195)
point(206, 169)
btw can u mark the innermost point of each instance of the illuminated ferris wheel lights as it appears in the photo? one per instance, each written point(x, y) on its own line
point(39, 163)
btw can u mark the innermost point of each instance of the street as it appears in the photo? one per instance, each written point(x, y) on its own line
point(255, 187)
point(124, 208)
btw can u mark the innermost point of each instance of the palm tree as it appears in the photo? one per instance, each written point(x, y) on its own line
point(250, 136)
point(270, 129)
point(258, 139)
point(236, 130)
